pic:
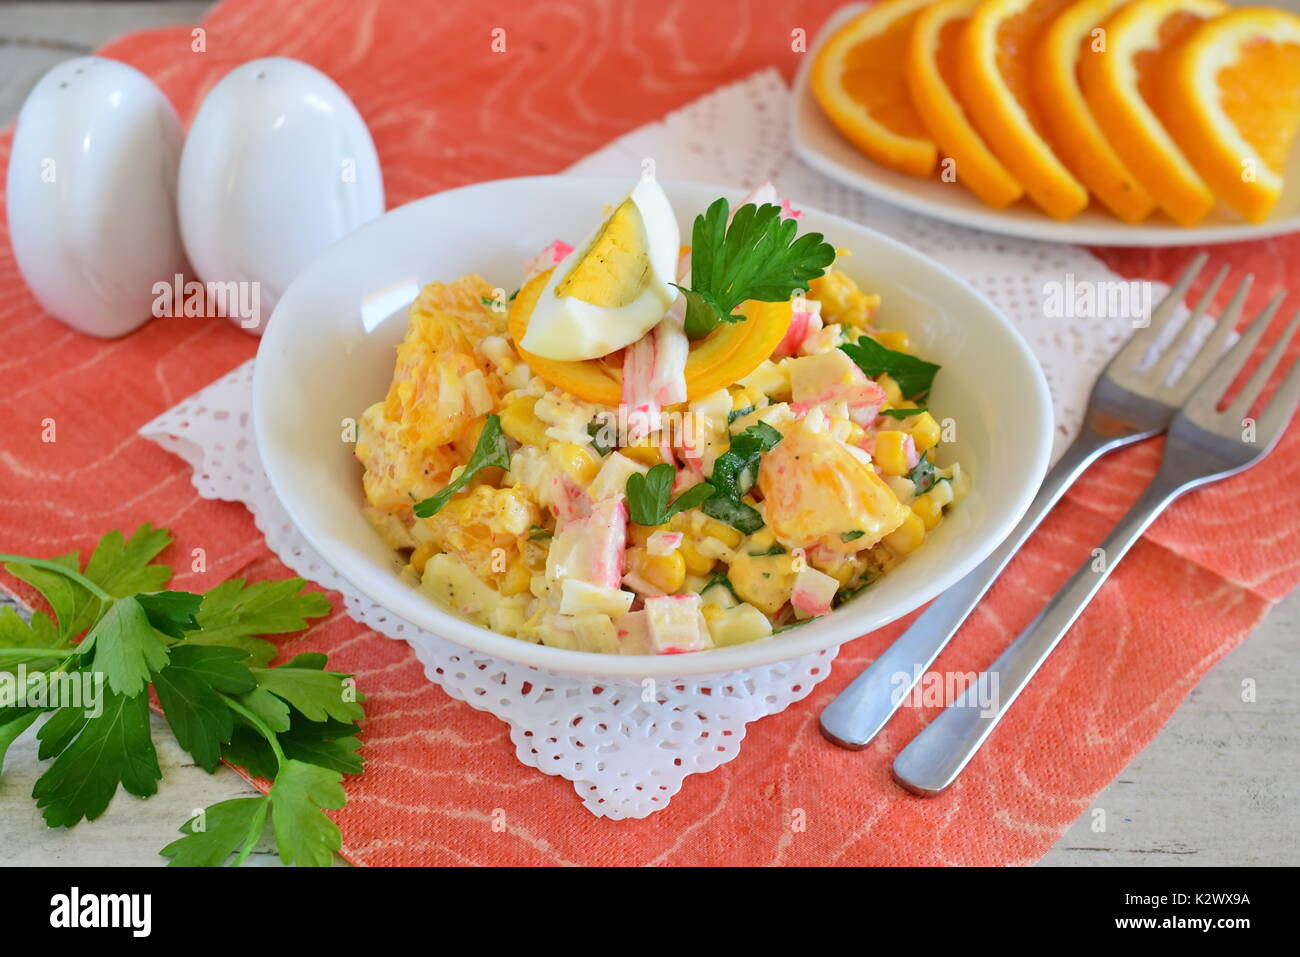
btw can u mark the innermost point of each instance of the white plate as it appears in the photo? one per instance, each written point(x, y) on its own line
point(328, 354)
point(822, 147)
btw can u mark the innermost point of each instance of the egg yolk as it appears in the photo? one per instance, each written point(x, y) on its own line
point(616, 268)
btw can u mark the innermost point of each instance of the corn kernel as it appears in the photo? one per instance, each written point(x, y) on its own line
point(908, 536)
point(893, 393)
point(575, 462)
point(421, 555)
point(924, 431)
point(646, 451)
point(894, 339)
point(640, 534)
point(724, 533)
point(856, 434)
point(517, 578)
point(665, 572)
point(520, 422)
point(929, 509)
point(697, 563)
point(747, 398)
point(710, 611)
point(891, 452)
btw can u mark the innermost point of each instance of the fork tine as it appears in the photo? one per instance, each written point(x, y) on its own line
point(1175, 348)
point(1283, 403)
point(1252, 389)
point(1135, 349)
point(1207, 395)
point(1211, 350)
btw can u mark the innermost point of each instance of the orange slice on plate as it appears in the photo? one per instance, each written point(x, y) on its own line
point(1120, 84)
point(995, 69)
point(727, 354)
point(857, 77)
point(1231, 100)
point(931, 72)
point(1072, 131)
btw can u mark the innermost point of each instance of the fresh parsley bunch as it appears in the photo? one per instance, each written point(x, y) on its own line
point(755, 256)
point(295, 724)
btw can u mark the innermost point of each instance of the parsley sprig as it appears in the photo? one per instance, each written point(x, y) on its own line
point(295, 724)
point(647, 495)
point(734, 474)
point(914, 376)
point(490, 450)
point(756, 256)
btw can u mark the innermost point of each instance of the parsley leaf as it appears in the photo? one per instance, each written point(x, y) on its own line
point(171, 612)
point(914, 376)
point(922, 476)
point(227, 827)
point(647, 495)
point(852, 536)
point(39, 634)
point(734, 473)
point(188, 691)
point(316, 693)
point(490, 450)
point(602, 437)
point(234, 612)
point(13, 722)
point(755, 256)
point(303, 834)
point(902, 413)
point(126, 648)
point(113, 748)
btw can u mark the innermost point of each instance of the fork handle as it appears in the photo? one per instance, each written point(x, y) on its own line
point(938, 754)
point(858, 712)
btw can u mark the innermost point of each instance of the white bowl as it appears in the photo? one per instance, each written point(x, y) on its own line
point(328, 354)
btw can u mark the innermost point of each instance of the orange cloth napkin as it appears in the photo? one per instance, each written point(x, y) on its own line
point(442, 784)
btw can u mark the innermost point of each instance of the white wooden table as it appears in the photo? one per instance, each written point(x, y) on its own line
point(1218, 785)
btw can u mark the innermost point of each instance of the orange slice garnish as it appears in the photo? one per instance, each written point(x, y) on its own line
point(931, 72)
point(728, 354)
point(1072, 131)
point(1120, 85)
point(1231, 100)
point(858, 80)
point(995, 69)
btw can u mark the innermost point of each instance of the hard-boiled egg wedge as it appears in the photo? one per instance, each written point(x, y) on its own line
point(614, 287)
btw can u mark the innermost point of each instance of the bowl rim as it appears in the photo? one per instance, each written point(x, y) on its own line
point(1034, 416)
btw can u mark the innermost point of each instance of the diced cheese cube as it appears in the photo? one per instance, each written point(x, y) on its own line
point(676, 624)
point(452, 583)
point(769, 377)
point(719, 595)
point(507, 619)
point(738, 625)
point(812, 593)
point(595, 633)
point(582, 598)
point(613, 475)
point(713, 405)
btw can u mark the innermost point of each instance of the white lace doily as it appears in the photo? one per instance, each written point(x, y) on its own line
point(627, 757)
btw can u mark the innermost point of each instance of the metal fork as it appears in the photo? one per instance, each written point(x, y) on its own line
point(1204, 445)
point(1126, 406)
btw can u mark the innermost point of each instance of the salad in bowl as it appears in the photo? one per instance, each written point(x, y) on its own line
point(656, 443)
